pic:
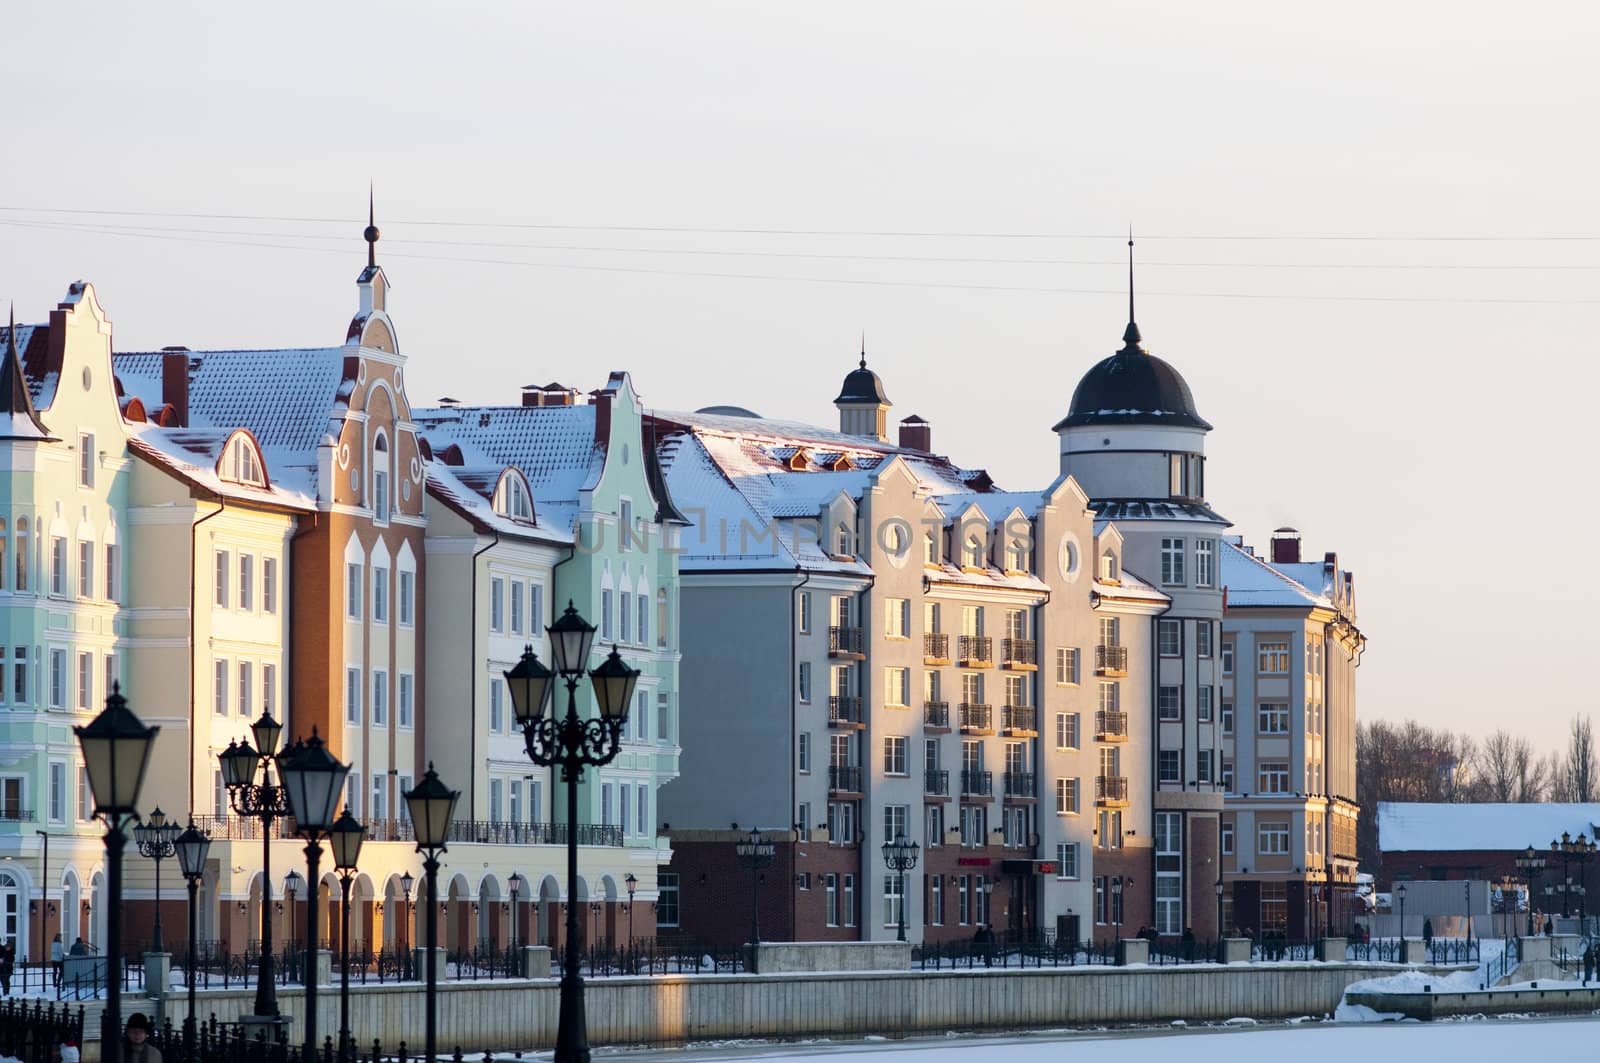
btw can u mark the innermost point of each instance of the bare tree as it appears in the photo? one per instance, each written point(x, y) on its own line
point(1509, 770)
point(1578, 767)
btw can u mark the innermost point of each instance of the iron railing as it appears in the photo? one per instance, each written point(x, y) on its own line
point(1108, 723)
point(33, 1035)
point(936, 714)
point(844, 778)
point(1111, 789)
point(975, 650)
point(978, 783)
point(1111, 660)
point(1019, 652)
point(976, 717)
point(845, 642)
point(936, 646)
point(844, 709)
point(936, 781)
point(1020, 784)
point(1019, 719)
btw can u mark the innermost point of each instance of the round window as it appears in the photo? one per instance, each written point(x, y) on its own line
point(88, 378)
point(1069, 558)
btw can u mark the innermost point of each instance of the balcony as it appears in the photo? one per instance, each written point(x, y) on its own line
point(1020, 786)
point(1111, 726)
point(1019, 721)
point(936, 715)
point(1111, 660)
point(976, 783)
point(1111, 790)
point(476, 832)
point(13, 814)
point(844, 779)
point(846, 642)
point(844, 710)
point(936, 648)
point(975, 651)
point(1019, 654)
point(936, 782)
point(977, 719)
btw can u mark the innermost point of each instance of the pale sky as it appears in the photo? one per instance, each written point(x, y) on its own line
point(1423, 422)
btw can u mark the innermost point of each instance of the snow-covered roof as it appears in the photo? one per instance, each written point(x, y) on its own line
point(554, 446)
point(1490, 827)
point(1250, 581)
point(462, 491)
point(191, 454)
point(1130, 586)
point(1128, 509)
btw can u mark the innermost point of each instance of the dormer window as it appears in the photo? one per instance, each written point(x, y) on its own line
point(841, 542)
point(380, 479)
point(242, 463)
point(974, 557)
point(1108, 567)
point(1017, 556)
point(930, 548)
point(512, 498)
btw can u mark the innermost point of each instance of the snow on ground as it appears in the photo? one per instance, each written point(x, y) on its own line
point(1307, 1042)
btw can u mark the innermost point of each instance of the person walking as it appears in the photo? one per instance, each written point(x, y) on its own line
point(57, 958)
point(1188, 944)
point(1427, 933)
point(137, 1047)
point(1588, 964)
point(8, 960)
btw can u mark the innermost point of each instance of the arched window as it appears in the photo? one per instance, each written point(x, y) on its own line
point(241, 464)
point(661, 618)
point(380, 479)
point(930, 548)
point(1017, 556)
point(4, 543)
point(1108, 566)
point(513, 499)
point(842, 541)
point(22, 554)
point(974, 552)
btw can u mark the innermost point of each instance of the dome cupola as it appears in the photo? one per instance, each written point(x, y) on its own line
point(863, 406)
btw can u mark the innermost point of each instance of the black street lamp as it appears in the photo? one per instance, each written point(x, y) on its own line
point(346, 837)
point(293, 886)
point(155, 838)
point(1221, 934)
point(900, 856)
point(516, 890)
point(1530, 863)
point(1572, 850)
point(1400, 891)
point(314, 781)
point(755, 856)
point(406, 882)
point(632, 885)
point(1117, 884)
point(431, 806)
point(573, 743)
point(116, 749)
point(192, 846)
point(266, 802)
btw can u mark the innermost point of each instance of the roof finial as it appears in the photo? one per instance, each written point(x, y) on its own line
point(1130, 335)
point(371, 234)
point(863, 348)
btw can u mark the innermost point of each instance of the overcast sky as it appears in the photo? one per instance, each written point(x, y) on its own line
point(1418, 405)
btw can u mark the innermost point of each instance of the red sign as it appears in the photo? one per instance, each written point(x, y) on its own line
point(972, 861)
point(1044, 867)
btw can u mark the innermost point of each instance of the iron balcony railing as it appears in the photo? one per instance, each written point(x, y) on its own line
point(845, 642)
point(974, 781)
point(1111, 660)
point(936, 646)
point(936, 781)
point(976, 718)
point(16, 815)
point(936, 713)
point(844, 709)
point(1019, 653)
point(975, 650)
point(1111, 789)
point(1020, 784)
point(844, 778)
point(481, 832)
point(1020, 719)
point(1110, 724)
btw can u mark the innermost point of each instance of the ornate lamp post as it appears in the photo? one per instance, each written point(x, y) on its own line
point(573, 743)
point(755, 856)
point(1400, 891)
point(406, 882)
point(346, 837)
point(314, 781)
point(1572, 851)
point(900, 856)
point(192, 846)
point(1221, 933)
point(155, 838)
point(116, 749)
point(432, 804)
point(515, 883)
point(1530, 863)
point(266, 802)
point(293, 886)
point(632, 884)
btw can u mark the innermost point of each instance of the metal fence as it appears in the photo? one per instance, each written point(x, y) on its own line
point(1010, 950)
point(34, 1034)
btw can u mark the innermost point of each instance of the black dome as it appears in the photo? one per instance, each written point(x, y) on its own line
point(862, 385)
point(1133, 387)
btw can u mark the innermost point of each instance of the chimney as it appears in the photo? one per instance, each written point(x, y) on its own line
point(916, 434)
point(175, 381)
point(551, 394)
point(1285, 546)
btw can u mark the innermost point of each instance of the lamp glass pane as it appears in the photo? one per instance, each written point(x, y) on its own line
point(314, 781)
point(613, 686)
point(192, 846)
point(570, 639)
point(531, 685)
point(266, 731)
point(345, 839)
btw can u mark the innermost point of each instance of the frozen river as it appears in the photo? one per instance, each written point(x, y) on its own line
point(1310, 1042)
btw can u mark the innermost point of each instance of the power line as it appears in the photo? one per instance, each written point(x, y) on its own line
point(905, 233)
point(869, 282)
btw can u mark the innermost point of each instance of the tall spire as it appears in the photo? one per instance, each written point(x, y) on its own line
point(863, 348)
point(15, 400)
point(371, 234)
point(1130, 335)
